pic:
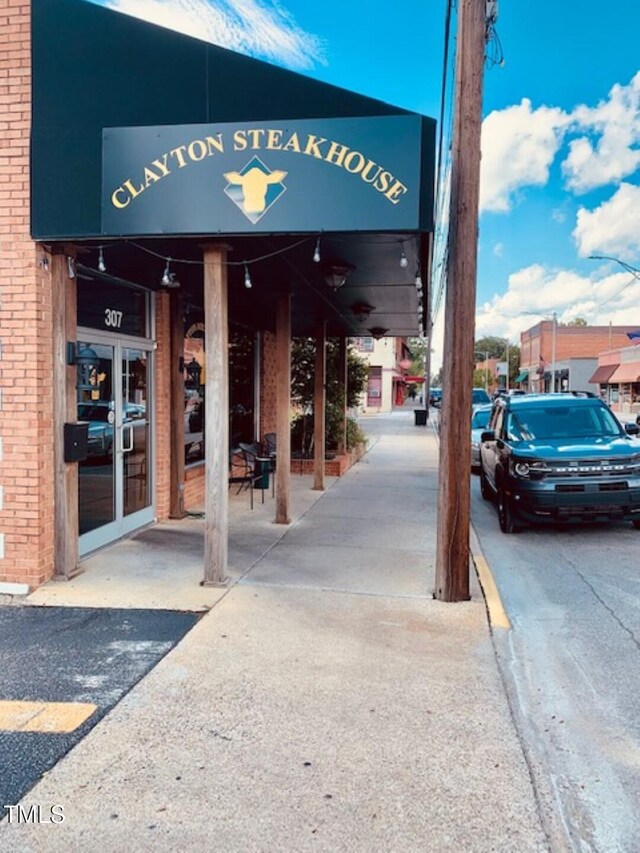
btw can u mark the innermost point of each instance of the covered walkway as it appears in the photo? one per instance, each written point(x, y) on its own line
point(326, 702)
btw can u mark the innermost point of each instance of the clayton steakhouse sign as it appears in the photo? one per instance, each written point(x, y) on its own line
point(291, 176)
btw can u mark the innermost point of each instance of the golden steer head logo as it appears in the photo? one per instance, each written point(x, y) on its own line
point(255, 188)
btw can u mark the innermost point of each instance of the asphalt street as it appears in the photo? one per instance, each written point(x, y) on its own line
point(71, 655)
point(570, 665)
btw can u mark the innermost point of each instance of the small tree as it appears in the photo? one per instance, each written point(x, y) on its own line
point(303, 353)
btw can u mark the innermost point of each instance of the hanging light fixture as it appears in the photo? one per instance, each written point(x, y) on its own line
point(378, 332)
point(403, 259)
point(102, 267)
point(362, 310)
point(71, 267)
point(247, 278)
point(169, 279)
point(336, 272)
point(316, 253)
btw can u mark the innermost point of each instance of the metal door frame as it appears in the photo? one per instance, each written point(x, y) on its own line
point(123, 524)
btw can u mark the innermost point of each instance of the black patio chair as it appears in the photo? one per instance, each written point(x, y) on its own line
point(259, 466)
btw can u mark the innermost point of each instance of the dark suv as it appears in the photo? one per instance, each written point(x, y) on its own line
point(559, 458)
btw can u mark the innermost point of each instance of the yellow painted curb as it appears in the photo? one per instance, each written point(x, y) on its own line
point(51, 717)
point(497, 614)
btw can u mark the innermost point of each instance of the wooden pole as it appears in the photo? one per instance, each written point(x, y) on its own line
point(65, 410)
point(319, 406)
point(283, 406)
point(452, 549)
point(176, 508)
point(216, 420)
point(343, 365)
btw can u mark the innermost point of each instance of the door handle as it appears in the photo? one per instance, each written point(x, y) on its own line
point(127, 448)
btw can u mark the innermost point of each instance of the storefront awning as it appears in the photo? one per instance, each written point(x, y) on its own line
point(603, 374)
point(418, 380)
point(626, 373)
point(522, 376)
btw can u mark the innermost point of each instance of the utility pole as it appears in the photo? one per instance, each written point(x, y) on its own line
point(452, 548)
point(506, 384)
point(554, 330)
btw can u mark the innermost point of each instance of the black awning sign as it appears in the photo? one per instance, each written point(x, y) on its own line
point(329, 174)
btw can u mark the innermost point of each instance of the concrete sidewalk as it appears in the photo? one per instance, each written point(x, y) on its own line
point(325, 703)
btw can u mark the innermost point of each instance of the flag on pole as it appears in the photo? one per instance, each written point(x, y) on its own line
point(634, 337)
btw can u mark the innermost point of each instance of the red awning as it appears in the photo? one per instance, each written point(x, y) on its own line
point(416, 379)
point(627, 372)
point(603, 373)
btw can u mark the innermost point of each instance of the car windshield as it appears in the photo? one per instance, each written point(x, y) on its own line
point(480, 419)
point(559, 422)
point(479, 396)
point(93, 413)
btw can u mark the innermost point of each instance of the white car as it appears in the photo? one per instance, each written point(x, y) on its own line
point(479, 421)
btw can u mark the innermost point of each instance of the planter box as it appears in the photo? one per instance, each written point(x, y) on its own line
point(332, 467)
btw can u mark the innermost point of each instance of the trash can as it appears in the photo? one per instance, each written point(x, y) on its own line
point(421, 417)
point(261, 470)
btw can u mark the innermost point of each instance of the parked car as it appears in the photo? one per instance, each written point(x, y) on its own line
point(435, 396)
point(100, 416)
point(479, 422)
point(559, 458)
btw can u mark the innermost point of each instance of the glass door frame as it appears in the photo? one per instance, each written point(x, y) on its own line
point(123, 524)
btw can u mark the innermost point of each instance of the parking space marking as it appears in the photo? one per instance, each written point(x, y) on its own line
point(44, 717)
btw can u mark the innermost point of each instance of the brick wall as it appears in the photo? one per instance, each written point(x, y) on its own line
point(268, 384)
point(26, 351)
point(571, 342)
point(163, 406)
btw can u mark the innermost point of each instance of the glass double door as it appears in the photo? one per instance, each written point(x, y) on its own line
point(115, 491)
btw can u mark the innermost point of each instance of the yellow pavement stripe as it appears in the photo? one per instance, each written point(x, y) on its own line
point(497, 614)
point(53, 717)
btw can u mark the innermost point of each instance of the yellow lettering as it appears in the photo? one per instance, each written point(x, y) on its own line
point(292, 144)
point(149, 177)
point(115, 200)
point(312, 146)
point(350, 159)
point(129, 186)
point(382, 182)
point(336, 154)
point(215, 142)
point(179, 155)
point(274, 140)
point(397, 189)
point(256, 134)
point(201, 149)
point(162, 165)
point(365, 172)
point(239, 140)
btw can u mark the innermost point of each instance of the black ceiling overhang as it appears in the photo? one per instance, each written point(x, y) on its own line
point(375, 280)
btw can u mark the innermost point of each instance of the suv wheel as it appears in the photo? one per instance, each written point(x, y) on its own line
point(636, 523)
point(505, 513)
point(485, 488)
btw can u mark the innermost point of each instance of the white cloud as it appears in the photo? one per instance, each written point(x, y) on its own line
point(518, 147)
point(615, 154)
point(613, 228)
point(260, 28)
point(558, 215)
point(535, 292)
point(498, 250)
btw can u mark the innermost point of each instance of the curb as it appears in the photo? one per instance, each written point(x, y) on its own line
point(497, 614)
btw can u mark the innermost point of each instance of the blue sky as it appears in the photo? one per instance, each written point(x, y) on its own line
point(561, 133)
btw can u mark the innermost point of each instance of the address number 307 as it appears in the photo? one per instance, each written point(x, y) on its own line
point(112, 318)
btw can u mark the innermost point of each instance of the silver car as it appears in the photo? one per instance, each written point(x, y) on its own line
point(479, 421)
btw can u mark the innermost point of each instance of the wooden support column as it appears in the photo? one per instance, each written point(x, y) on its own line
point(216, 397)
point(176, 508)
point(65, 410)
point(319, 406)
point(452, 544)
point(283, 408)
point(343, 363)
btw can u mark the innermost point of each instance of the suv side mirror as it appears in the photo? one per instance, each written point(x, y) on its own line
point(632, 429)
point(488, 435)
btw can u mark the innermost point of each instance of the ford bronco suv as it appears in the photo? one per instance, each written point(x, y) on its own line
point(559, 458)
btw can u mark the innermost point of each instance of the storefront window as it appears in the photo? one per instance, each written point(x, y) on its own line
point(241, 389)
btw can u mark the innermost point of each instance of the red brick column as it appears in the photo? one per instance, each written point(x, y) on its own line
point(163, 406)
point(268, 384)
point(26, 352)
